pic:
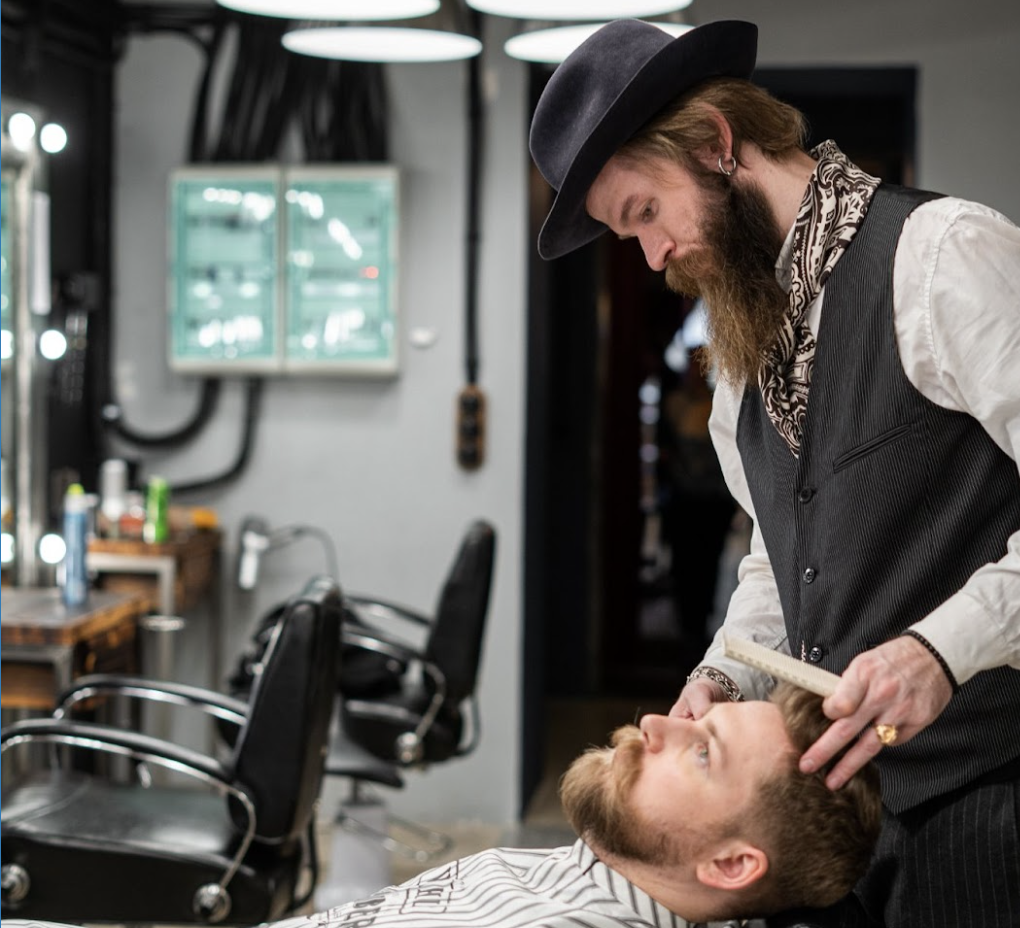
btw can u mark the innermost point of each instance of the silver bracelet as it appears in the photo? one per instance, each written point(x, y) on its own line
point(730, 688)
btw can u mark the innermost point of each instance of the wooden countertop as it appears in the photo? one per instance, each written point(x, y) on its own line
point(37, 616)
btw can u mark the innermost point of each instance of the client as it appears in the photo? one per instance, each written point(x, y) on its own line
point(678, 821)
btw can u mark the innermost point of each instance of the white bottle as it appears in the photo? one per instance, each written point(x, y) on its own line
point(113, 494)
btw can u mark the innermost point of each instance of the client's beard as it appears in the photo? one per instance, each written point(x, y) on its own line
point(595, 795)
point(735, 274)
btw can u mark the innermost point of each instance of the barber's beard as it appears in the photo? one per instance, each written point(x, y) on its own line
point(735, 274)
point(595, 794)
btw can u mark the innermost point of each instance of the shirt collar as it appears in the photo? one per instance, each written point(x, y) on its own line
point(784, 263)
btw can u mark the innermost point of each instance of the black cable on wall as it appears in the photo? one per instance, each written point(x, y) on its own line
point(252, 410)
point(337, 110)
point(206, 29)
point(474, 235)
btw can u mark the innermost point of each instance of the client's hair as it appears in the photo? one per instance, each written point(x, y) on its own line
point(819, 841)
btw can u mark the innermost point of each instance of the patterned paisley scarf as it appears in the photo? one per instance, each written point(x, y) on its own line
point(837, 197)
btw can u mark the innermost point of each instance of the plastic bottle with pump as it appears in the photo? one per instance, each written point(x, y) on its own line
point(76, 522)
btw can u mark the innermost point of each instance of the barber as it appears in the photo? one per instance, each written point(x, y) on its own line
point(867, 417)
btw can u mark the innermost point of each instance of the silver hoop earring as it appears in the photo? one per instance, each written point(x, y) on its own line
point(733, 166)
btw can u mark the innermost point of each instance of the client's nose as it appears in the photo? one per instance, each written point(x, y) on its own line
point(656, 729)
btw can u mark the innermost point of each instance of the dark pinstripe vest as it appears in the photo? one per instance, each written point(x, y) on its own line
point(893, 503)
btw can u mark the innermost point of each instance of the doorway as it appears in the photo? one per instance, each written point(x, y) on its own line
point(604, 554)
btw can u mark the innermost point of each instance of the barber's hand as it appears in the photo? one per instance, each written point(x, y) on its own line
point(898, 683)
point(696, 697)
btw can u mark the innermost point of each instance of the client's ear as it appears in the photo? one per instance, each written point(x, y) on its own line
point(733, 866)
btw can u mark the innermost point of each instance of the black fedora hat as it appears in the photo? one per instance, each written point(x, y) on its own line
point(607, 89)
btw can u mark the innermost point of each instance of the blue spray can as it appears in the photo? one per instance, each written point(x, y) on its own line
point(76, 522)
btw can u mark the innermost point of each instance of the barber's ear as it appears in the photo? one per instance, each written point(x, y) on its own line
point(733, 866)
point(723, 147)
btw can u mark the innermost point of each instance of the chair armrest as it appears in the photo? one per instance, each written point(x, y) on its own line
point(113, 741)
point(165, 691)
point(362, 638)
point(385, 609)
point(411, 749)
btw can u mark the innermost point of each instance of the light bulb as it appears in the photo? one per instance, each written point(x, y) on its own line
point(52, 344)
point(52, 138)
point(21, 129)
point(52, 548)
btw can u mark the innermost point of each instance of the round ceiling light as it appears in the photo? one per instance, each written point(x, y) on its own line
point(551, 46)
point(578, 9)
point(380, 43)
point(335, 9)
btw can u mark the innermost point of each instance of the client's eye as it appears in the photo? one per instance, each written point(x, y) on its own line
point(702, 753)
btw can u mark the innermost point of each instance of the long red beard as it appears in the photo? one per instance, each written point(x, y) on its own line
point(734, 272)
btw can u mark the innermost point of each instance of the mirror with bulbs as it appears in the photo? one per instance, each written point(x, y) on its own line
point(28, 343)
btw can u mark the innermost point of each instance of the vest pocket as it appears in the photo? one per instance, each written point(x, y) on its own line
point(870, 446)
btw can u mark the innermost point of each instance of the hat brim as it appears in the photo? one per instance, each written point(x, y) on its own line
point(719, 49)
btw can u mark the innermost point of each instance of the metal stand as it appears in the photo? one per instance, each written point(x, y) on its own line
point(359, 865)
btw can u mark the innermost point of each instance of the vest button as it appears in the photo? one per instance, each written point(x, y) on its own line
point(805, 495)
point(809, 574)
point(815, 654)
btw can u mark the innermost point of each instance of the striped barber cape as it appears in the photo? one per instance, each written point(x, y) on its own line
point(566, 887)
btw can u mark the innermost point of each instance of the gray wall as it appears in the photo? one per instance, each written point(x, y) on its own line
point(373, 463)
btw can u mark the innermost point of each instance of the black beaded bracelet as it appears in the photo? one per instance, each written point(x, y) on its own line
point(730, 688)
point(937, 656)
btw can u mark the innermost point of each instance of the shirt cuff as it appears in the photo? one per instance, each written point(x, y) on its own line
point(961, 631)
point(754, 684)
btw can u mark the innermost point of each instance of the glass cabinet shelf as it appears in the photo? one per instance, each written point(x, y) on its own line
point(223, 269)
point(341, 269)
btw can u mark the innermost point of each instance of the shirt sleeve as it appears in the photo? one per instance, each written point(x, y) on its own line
point(957, 310)
point(754, 611)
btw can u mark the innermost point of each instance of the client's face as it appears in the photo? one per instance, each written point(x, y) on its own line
point(670, 785)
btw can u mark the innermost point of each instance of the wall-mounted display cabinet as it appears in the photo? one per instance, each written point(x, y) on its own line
point(284, 270)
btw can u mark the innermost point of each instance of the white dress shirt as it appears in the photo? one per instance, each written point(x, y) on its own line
point(956, 309)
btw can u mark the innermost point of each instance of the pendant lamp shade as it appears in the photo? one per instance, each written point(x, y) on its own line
point(381, 43)
point(545, 43)
point(587, 10)
point(442, 36)
point(335, 9)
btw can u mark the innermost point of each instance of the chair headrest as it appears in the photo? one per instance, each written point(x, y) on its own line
point(455, 642)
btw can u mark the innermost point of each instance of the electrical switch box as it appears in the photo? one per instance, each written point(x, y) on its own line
point(471, 427)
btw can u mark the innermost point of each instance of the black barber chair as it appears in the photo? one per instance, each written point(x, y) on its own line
point(85, 848)
point(420, 706)
point(403, 705)
point(411, 706)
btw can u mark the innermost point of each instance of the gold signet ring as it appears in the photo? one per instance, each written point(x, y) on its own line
point(887, 734)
